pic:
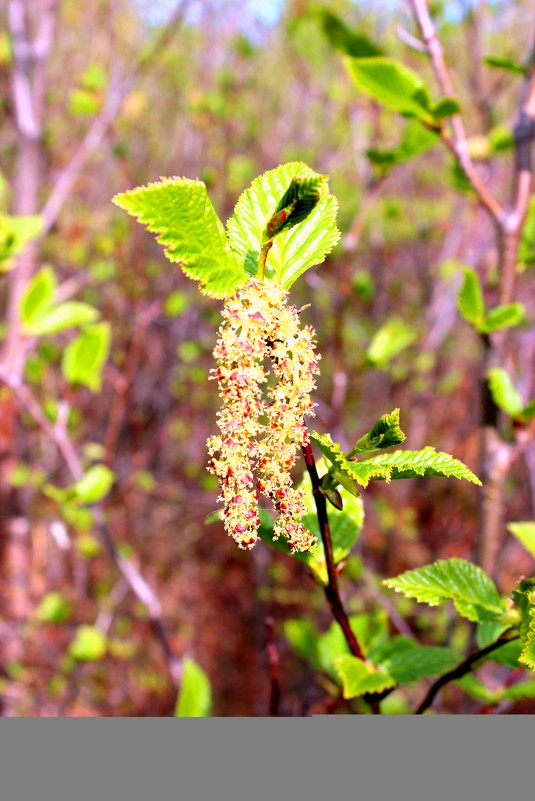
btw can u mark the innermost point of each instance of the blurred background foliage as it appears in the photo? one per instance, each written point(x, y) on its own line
point(223, 91)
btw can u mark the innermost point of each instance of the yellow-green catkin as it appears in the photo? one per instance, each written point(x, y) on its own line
point(262, 430)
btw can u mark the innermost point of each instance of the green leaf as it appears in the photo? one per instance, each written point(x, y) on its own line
point(416, 140)
point(470, 301)
point(179, 211)
point(342, 470)
point(195, 696)
point(392, 84)
point(528, 412)
point(512, 314)
point(524, 598)
point(84, 358)
point(53, 608)
point(445, 107)
point(489, 631)
point(525, 533)
point(84, 103)
point(503, 391)
point(301, 197)
point(344, 39)
point(296, 249)
point(407, 661)
point(385, 433)
point(15, 233)
point(68, 315)
point(475, 688)
point(359, 678)
point(371, 631)
point(95, 485)
point(410, 464)
point(504, 63)
point(391, 339)
point(89, 644)
point(516, 692)
point(508, 654)
point(473, 592)
point(303, 639)
point(38, 296)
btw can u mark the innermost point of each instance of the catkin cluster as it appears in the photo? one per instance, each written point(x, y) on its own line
point(261, 429)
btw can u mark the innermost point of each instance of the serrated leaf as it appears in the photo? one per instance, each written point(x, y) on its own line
point(293, 251)
point(470, 300)
point(407, 661)
point(524, 598)
point(70, 314)
point(410, 464)
point(388, 341)
point(95, 484)
point(359, 678)
point(84, 357)
point(347, 474)
point(385, 433)
point(392, 84)
point(503, 391)
point(512, 314)
point(180, 213)
point(371, 631)
point(525, 533)
point(195, 696)
point(38, 296)
point(473, 592)
point(344, 39)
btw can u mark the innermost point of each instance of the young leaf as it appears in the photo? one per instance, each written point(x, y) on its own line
point(525, 533)
point(195, 696)
point(410, 464)
point(524, 598)
point(179, 211)
point(385, 433)
point(392, 338)
point(54, 608)
point(504, 63)
point(15, 233)
point(407, 661)
point(359, 678)
point(507, 316)
point(84, 357)
point(473, 592)
point(294, 250)
point(445, 107)
point(416, 140)
point(68, 315)
point(345, 40)
point(504, 393)
point(343, 471)
point(303, 194)
point(470, 301)
point(38, 297)
point(95, 485)
point(303, 639)
point(392, 84)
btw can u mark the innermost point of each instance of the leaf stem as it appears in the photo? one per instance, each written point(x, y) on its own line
point(332, 592)
point(262, 260)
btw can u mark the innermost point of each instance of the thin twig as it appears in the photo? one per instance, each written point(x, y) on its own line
point(457, 673)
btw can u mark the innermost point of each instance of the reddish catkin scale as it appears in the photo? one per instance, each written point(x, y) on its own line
point(258, 325)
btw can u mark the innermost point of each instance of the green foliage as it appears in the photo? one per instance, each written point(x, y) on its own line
point(388, 341)
point(295, 249)
point(195, 696)
point(301, 197)
point(504, 393)
point(89, 645)
point(95, 484)
point(512, 314)
point(385, 433)
point(179, 211)
point(407, 661)
point(415, 141)
point(473, 593)
point(39, 313)
point(504, 63)
point(470, 301)
point(524, 598)
point(525, 533)
point(342, 38)
point(84, 357)
point(359, 678)
point(54, 608)
point(348, 472)
point(15, 233)
point(38, 296)
point(398, 88)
